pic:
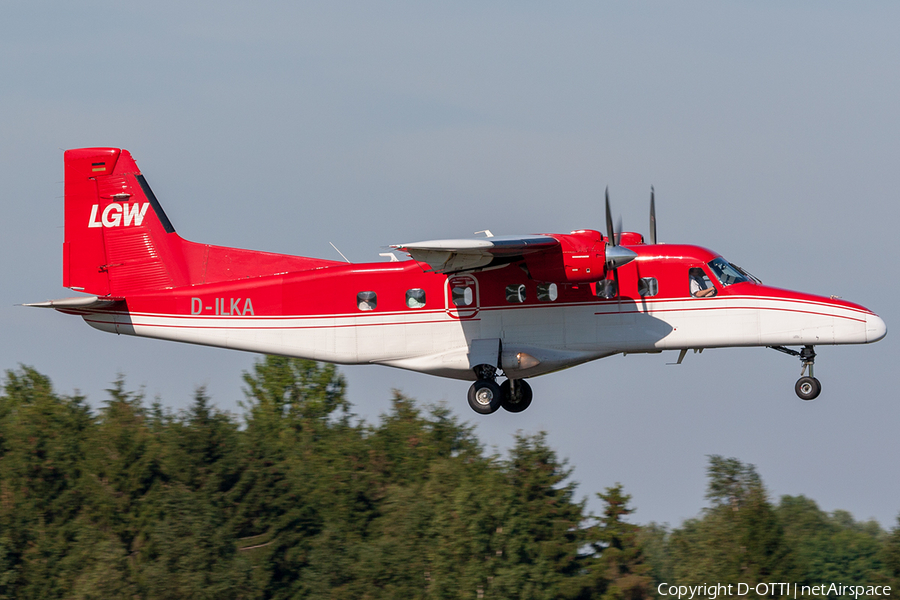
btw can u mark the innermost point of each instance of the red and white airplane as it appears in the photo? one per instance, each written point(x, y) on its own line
point(470, 309)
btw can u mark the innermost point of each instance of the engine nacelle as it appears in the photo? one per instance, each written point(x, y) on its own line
point(580, 258)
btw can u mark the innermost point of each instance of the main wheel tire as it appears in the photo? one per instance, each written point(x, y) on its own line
point(808, 388)
point(485, 396)
point(519, 401)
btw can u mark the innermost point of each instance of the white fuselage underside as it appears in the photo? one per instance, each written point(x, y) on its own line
point(558, 336)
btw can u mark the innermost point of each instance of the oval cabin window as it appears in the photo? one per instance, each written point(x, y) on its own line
point(547, 292)
point(415, 298)
point(366, 300)
point(515, 293)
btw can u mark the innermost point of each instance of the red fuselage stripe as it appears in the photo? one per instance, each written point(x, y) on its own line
point(228, 322)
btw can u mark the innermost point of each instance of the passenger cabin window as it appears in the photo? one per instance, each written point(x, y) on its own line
point(547, 292)
point(415, 298)
point(648, 286)
point(462, 296)
point(515, 293)
point(606, 288)
point(366, 300)
point(701, 286)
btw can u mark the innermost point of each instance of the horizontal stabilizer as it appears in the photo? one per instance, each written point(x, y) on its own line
point(79, 302)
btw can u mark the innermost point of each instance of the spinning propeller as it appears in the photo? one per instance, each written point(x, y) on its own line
point(616, 256)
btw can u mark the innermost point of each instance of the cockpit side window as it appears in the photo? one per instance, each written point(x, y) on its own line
point(701, 286)
point(726, 273)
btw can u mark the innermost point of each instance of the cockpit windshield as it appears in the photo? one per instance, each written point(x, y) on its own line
point(726, 272)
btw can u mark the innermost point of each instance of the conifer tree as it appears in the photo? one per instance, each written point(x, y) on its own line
point(739, 537)
point(296, 416)
point(621, 561)
point(301, 502)
point(891, 554)
point(545, 527)
point(42, 439)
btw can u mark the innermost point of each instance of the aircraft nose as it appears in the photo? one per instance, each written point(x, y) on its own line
point(875, 328)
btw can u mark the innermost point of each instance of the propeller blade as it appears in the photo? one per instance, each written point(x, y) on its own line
point(610, 232)
point(618, 232)
point(616, 256)
point(652, 215)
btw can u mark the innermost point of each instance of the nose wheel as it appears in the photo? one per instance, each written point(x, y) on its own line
point(807, 387)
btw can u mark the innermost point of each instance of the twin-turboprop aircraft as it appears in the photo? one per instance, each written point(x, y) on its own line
point(472, 309)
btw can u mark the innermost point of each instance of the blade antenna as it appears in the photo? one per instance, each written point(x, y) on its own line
point(652, 215)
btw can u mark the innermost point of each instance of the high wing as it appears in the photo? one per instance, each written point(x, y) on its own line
point(455, 256)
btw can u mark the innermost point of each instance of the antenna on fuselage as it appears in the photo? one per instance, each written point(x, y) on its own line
point(652, 215)
point(339, 252)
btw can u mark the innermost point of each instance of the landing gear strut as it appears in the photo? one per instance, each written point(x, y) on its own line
point(807, 387)
point(486, 396)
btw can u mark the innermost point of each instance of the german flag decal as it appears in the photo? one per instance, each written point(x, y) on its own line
point(98, 167)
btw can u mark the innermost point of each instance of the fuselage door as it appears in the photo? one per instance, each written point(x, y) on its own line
point(461, 296)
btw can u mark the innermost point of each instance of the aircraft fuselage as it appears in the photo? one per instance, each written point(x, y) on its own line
point(317, 314)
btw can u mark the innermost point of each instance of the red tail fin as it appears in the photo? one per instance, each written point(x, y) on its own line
point(119, 240)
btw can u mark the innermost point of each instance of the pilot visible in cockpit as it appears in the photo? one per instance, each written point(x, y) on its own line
point(701, 286)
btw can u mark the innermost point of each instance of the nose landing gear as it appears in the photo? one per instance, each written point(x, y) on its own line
point(486, 396)
point(807, 387)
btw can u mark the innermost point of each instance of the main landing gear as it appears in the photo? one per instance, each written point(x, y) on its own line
point(486, 396)
point(807, 387)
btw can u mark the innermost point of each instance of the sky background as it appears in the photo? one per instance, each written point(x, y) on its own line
point(769, 129)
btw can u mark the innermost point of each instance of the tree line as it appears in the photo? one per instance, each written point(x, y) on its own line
point(298, 499)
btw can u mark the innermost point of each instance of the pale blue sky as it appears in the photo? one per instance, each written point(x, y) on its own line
point(769, 129)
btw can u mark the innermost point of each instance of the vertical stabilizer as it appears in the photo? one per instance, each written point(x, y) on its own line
point(117, 238)
point(119, 241)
